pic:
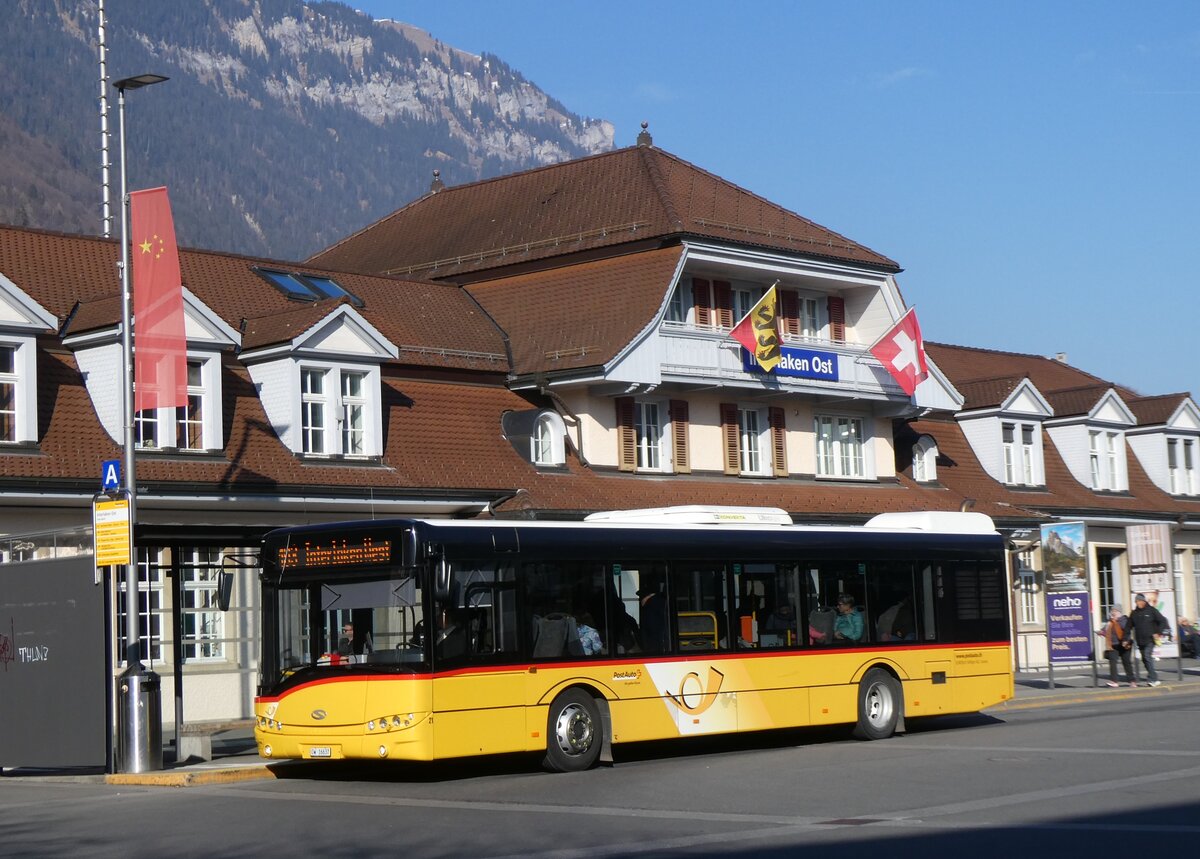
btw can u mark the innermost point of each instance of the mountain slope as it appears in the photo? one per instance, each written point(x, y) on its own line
point(285, 125)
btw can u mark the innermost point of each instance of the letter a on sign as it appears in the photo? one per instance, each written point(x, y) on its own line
point(110, 474)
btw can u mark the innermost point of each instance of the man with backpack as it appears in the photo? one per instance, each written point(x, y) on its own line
point(1145, 622)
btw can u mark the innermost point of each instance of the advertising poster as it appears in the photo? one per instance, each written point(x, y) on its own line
point(1149, 555)
point(1068, 609)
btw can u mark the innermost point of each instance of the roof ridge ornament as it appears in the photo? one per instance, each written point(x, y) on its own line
point(437, 184)
point(644, 139)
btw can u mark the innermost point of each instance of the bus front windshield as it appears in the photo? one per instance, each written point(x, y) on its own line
point(340, 625)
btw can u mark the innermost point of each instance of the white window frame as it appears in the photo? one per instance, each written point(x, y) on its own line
point(650, 435)
point(925, 453)
point(198, 569)
point(168, 420)
point(547, 445)
point(10, 377)
point(335, 406)
point(1104, 457)
point(744, 298)
point(1181, 465)
point(754, 442)
point(151, 576)
point(1022, 465)
point(1027, 578)
point(841, 446)
point(353, 411)
point(314, 411)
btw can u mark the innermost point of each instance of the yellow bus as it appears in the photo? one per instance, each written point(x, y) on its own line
point(419, 639)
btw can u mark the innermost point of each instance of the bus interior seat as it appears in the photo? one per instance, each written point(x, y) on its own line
point(820, 625)
point(556, 635)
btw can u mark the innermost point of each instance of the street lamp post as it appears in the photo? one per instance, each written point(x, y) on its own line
point(139, 722)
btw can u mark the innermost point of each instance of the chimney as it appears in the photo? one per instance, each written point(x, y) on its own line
point(1060, 357)
point(644, 139)
point(437, 184)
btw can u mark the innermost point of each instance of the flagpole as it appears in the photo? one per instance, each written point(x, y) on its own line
point(139, 734)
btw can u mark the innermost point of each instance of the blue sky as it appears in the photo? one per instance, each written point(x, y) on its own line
point(1032, 166)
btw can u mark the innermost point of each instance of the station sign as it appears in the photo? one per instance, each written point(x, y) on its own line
point(798, 363)
point(112, 529)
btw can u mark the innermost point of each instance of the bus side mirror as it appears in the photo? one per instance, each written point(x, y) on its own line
point(224, 589)
point(441, 581)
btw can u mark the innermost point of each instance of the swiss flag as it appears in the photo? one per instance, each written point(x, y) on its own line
point(902, 353)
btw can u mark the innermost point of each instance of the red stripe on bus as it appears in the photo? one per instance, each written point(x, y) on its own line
point(706, 656)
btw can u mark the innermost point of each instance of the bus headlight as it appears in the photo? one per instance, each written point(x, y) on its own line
point(266, 751)
point(383, 751)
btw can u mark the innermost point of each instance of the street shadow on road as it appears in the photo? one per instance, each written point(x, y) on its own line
point(625, 753)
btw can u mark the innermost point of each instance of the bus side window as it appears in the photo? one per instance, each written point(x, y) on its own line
point(698, 601)
point(564, 609)
point(892, 600)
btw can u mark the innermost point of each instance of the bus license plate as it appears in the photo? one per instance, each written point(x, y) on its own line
point(320, 752)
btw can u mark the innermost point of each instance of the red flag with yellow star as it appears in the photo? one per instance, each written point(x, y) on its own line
point(159, 341)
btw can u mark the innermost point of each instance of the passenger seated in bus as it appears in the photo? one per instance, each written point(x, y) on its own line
point(848, 625)
point(655, 630)
point(451, 640)
point(589, 636)
point(782, 622)
point(896, 622)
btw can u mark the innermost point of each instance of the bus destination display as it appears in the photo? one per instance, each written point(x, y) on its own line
point(337, 552)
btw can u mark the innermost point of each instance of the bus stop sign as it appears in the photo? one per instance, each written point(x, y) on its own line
point(110, 475)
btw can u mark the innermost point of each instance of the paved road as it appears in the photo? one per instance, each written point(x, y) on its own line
point(1111, 773)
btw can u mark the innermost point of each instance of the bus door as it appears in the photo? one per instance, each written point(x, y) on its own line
point(479, 685)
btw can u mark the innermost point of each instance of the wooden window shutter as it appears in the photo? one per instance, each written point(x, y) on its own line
point(777, 418)
point(626, 438)
point(789, 312)
point(679, 436)
point(837, 319)
point(701, 301)
point(729, 431)
point(723, 303)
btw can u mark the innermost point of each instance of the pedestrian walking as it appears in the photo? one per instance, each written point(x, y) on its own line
point(1145, 622)
point(1117, 645)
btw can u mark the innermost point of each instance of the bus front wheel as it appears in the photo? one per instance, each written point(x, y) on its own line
point(572, 732)
point(879, 704)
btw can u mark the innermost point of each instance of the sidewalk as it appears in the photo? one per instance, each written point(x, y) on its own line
point(236, 759)
point(1074, 684)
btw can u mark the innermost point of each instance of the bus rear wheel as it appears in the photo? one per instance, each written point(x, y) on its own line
point(879, 704)
point(572, 733)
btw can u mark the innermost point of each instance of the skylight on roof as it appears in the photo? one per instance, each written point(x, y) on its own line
point(307, 287)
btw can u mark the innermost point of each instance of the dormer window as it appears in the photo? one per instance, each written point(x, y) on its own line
point(336, 397)
point(1021, 465)
point(546, 443)
point(1181, 465)
point(8, 393)
point(194, 427)
point(1104, 456)
point(924, 462)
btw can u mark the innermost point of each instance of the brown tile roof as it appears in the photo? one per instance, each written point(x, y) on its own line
point(1071, 402)
point(600, 201)
point(433, 324)
point(987, 393)
point(963, 364)
point(581, 315)
point(1155, 410)
point(438, 436)
point(960, 471)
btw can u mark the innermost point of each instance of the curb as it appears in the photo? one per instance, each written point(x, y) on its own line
point(194, 778)
point(1058, 699)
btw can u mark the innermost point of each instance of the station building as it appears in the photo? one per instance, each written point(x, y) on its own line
point(543, 345)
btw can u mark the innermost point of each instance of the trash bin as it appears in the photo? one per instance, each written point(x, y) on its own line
point(139, 721)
